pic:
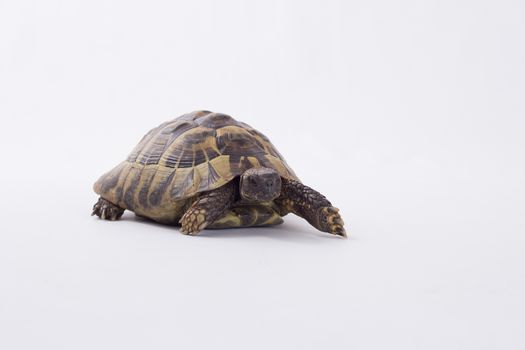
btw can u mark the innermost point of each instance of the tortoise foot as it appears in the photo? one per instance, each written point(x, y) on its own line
point(107, 210)
point(193, 221)
point(331, 222)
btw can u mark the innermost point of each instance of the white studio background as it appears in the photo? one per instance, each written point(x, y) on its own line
point(407, 115)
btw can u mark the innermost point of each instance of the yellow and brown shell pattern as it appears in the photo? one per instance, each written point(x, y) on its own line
point(179, 159)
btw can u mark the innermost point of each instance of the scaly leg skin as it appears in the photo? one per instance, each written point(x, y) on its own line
point(311, 205)
point(207, 208)
point(106, 210)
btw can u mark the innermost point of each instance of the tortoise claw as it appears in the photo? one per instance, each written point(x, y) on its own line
point(339, 231)
point(107, 210)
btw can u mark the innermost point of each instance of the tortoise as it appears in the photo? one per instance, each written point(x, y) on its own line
point(208, 170)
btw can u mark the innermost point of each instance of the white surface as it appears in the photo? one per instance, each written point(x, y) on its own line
point(407, 115)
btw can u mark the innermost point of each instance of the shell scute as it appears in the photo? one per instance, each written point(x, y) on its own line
point(215, 120)
point(236, 141)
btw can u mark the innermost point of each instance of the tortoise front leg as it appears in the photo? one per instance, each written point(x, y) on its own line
point(207, 208)
point(311, 205)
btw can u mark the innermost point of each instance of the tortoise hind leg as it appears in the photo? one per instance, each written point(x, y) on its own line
point(106, 210)
point(246, 216)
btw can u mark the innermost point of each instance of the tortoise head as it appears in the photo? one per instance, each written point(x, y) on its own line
point(260, 184)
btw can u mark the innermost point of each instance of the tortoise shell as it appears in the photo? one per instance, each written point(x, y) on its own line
point(179, 159)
